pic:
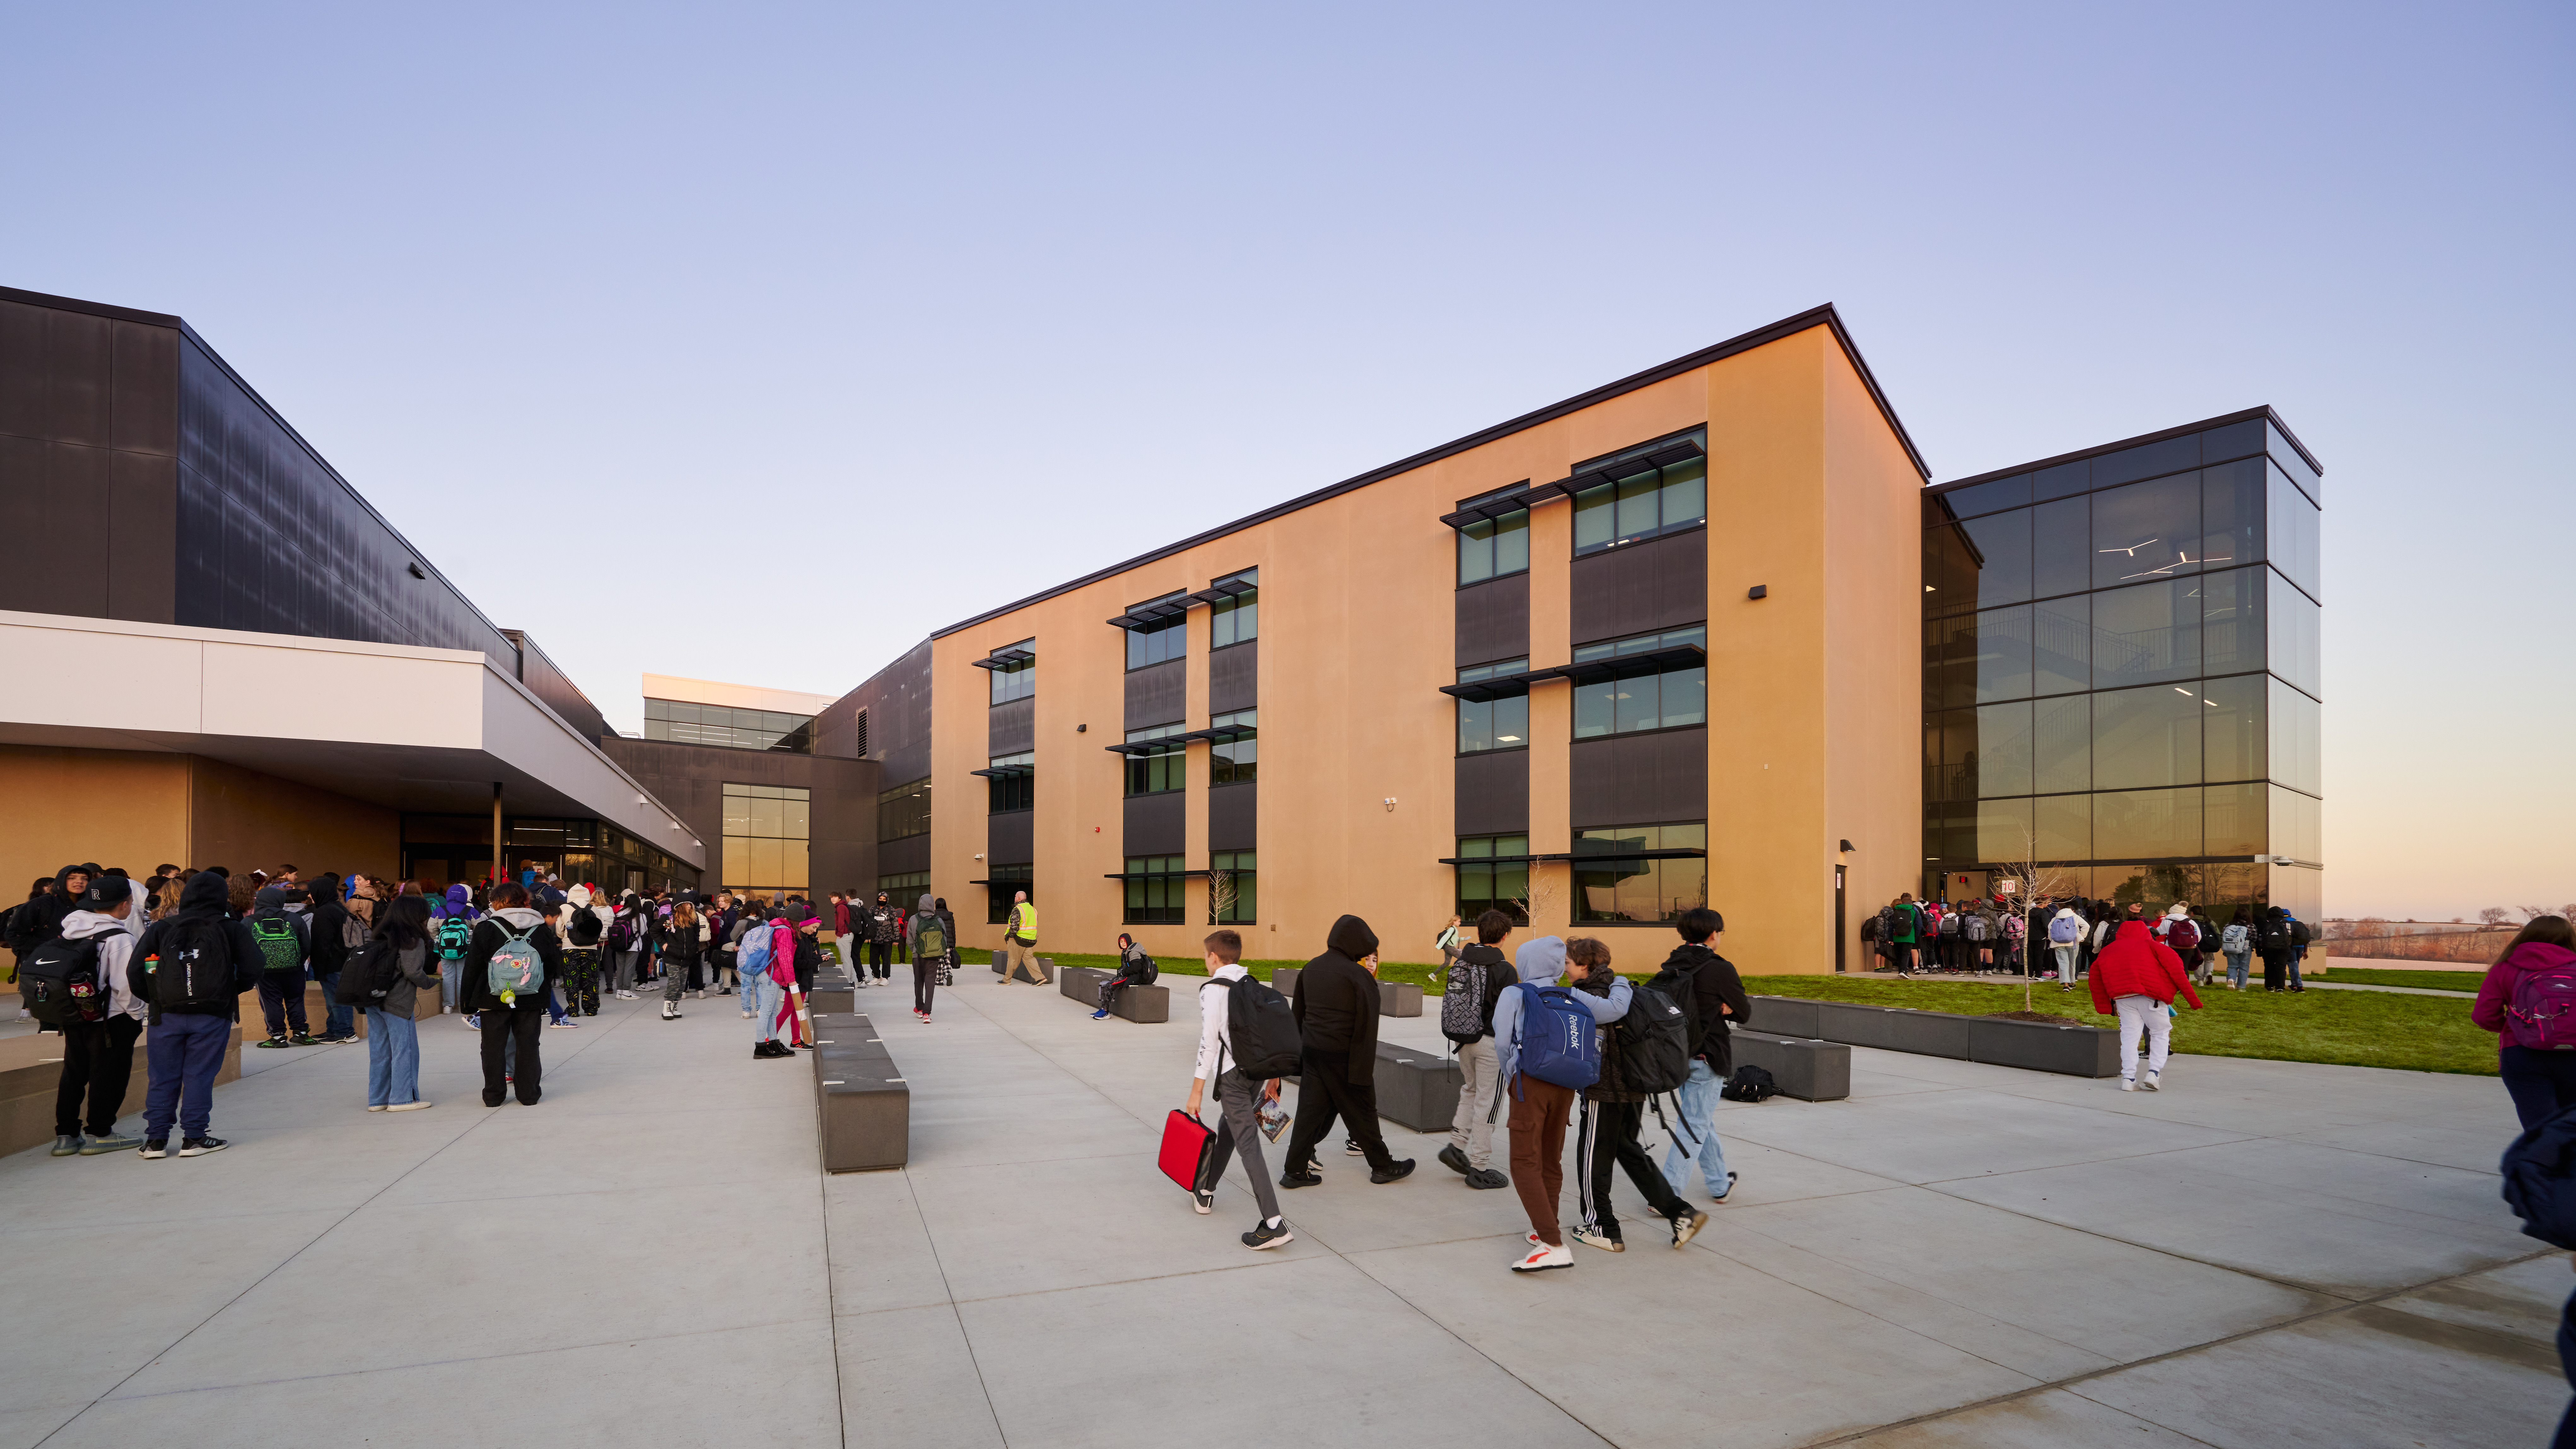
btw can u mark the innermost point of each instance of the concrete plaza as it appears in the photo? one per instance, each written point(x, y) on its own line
point(2264, 1254)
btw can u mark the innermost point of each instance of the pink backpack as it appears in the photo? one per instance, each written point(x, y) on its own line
point(2543, 1014)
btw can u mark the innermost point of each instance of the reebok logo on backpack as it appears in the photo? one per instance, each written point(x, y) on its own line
point(1559, 1043)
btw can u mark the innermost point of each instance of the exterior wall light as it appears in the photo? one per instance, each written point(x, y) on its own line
point(1758, 591)
point(1390, 802)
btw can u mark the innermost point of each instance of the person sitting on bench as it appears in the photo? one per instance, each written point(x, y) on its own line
point(1135, 968)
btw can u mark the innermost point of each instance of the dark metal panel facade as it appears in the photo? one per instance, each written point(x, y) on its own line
point(1234, 678)
point(1154, 824)
point(1234, 817)
point(1157, 694)
point(1659, 584)
point(547, 681)
point(1493, 792)
point(842, 850)
point(1011, 728)
point(897, 701)
point(1493, 621)
point(1643, 779)
point(88, 429)
point(1007, 838)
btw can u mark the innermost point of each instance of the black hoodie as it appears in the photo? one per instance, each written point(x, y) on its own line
point(41, 919)
point(1337, 999)
point(206, 897)
point(1699, 980)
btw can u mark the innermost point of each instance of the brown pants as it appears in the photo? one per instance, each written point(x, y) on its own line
point(1539, 1111)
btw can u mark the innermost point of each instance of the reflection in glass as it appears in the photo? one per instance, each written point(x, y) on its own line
point(2231, 620)
point(1499, 886)
point(2147, 823)
point(1608, 887)
point(2003, 830)
point(2146, 632)
point(2003, 654)
point(2064, 825)
point(2062, 744)
point(2297, 826)
point(2146, 530)
point(1954, 757)
point(2061, 645)
point(2003, 749)
point(2292, 523)
point(2296, 739)
point(2233, 733)
point(1592, 710)
point(2147, 736)
point(2293, 630)
point(2061, 547)
point(2231, 512)
point(2002, 545)
point(2010, 492)
point(1685, 696)
point(2234, 821)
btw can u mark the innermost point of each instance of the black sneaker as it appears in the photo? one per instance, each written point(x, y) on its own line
point(200, 1146)
point(157, 1148)
point(1396, 1173)
point(1353, 1149)
point(307, 1039)
point(1265, 1236)
point(1686, 1225)
point(1307, 1178)
point(1455, 1160)
point(275, 1041)
point(1204, 1201)
point(1487, 1178)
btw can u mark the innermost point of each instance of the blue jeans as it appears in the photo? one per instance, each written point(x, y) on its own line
point(337, 1020)
point(1698, 1099)
point(393, 1058)
point(448, 971)
point(2293, 957)
point(2238, 963)
point(184, 1052)
point(764, 1008)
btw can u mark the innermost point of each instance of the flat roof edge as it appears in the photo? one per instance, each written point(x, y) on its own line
point(1823, 316)
point(94, 309)
point(2264, 412)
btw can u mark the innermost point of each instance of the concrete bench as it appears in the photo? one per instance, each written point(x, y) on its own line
point(863, 1105)
point(1042, 963)
point(31, 1068)
point(1395, 998)
point(1805, 1068)
point(1147, 1005)
point(2071, 1047)
point(1417, 1087)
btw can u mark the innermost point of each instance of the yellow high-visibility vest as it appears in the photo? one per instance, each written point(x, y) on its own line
point(1024, 920)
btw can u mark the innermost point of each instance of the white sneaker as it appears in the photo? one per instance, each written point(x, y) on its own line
point(748, 1015)
point(411, 1106)
point(2149, 1085)
point(2127, 1085)
point(1541, 1257)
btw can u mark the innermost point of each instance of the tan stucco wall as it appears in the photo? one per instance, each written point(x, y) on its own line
point(137, 810)
point(1357, 622)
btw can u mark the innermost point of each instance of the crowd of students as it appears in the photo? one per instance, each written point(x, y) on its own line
point(2057, 940)
point(104, 956)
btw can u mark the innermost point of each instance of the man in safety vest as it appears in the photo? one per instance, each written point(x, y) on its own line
point(1018, 941)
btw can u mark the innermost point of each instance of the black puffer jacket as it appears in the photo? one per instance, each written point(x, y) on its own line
point(1337, 999)
point(41, 918)
point(474, 983)
point(1699, 980)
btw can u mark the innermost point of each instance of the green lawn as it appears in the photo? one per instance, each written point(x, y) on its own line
point(2430, 980)
point(1426, 977)
point(2349, 1028)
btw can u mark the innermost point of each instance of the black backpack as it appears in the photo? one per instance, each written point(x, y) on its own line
point(1262, 1028)
point(2537, 1169)
point(1652, 1044)
point(1750, 1084)
point(371, 973)
point(585, 927)
point(2300, 937)
point(2273, 936)
point(1151, 970)
point(193, 969)
point(59, 982)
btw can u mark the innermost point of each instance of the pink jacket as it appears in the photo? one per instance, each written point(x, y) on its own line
point(2495, 993)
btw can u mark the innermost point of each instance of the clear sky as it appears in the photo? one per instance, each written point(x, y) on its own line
point(752, 342)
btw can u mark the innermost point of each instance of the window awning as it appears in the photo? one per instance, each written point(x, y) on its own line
point(1629, 666)
point(1155, 875)
point(1149, 747)
point(1681, 451)
point(1007, 772)
point(1562, 856)
point(1005, 659)
point(1147, 615)
point(1501, 686)
point(1222, 734)
point(1220, 591)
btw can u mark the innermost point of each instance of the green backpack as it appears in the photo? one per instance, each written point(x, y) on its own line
point(934, 938)
point(455, 937)
point(280, 949)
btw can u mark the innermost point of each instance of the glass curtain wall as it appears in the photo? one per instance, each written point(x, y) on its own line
point(2120, 678)
point(766, 831)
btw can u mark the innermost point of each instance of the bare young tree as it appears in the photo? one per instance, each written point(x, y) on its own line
point(2039, 885)
point(2494, 915)
point(1220, 896)
point(1537, 899)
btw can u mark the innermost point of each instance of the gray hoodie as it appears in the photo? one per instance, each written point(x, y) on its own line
point(1541, 963)
point(924, 916)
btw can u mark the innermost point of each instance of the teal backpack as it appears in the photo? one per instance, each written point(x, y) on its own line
point(516, 969)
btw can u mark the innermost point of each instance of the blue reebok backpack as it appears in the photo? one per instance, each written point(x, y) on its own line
point(2540, 1180)
point(755, 949)
point(1559, 1042)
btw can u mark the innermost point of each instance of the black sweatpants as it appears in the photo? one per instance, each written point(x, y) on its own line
point(514, 1031)
point(98, 1063)
point(1325, 1091)
point(1608, 1133)
point(880, 958)
point(1109, 989)
point(925, 984)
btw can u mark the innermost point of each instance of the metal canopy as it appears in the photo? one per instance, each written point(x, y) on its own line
point(1222, 734)
point(1561, 856)
point(1630, 666)
point(1007, 772)
point(1148, 747)
point(1155, 875)
point(1497, 506)
point(1005, 659)
point(1501, 686)
point(1142, 616)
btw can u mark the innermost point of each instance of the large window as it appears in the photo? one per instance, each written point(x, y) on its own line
point(1164, 639)
point(1493, 724)
point(1001, 883)
point(1017, 679)
point(905, 890)
point(1641, 504)
point(904, 810)
point(1234, 760)
point(734, 729)
point(1493, 875)
point(1629, 873)
point(1492, 547)
point(1162, 767)
point(1668, 699)
point(766, 828)
point(1236, 619)
point(1233, 899)
point(1156, 890)
point(1013, 785)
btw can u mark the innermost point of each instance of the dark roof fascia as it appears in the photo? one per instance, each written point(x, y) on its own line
point(2248, 415)
point(94, 309)
point(1824, 316)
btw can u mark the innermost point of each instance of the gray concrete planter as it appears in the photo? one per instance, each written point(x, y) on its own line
point(1417, 1088)
point(2069, 1047)
point(1805, 1068)
point(863, 1105)
point(1146, 1004)
point(2075, 1049)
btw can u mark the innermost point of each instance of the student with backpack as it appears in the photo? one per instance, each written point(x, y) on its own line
point(1644, 1054)
point(1336, 1008)
point(2135, 979)
point(931, 937)
point(1472, 985)
point(283, 948)
point(1550, 1051)
point(1711, 995)
point(77, 984)
point(1248, 1039)
point(2181, 935)
point(335, 935)
point(2272, 942)
point(586, 926)
point(451, 934)
point(2300, 939)
point(762, 990)
point(885, 923)
point(2066, 932)
point(2528, 999)
point(509, 977)
point(1135, 968)
point(627, 925)
point(682, 943)
point(1898, 925)
point(387, 978)
point(2236, 943)
point(192, 967)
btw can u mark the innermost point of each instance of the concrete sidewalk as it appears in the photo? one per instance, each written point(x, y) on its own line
point(2265, 1253)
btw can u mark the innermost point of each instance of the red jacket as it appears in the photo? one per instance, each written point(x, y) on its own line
point(2495, 993)
point(2137, 964)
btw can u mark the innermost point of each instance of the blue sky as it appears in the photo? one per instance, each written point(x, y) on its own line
point(754, 341)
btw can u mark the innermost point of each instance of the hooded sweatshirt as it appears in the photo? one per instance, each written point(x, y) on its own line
point(115, 955)
point(206, 898)
point(458, 902)
point(1541, 963)
point(578, 899)
point(2137, 964)
point(922, 916)
point(2065, 913)
point(41, 919)
point(2495, 994)
point(1337, 999)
